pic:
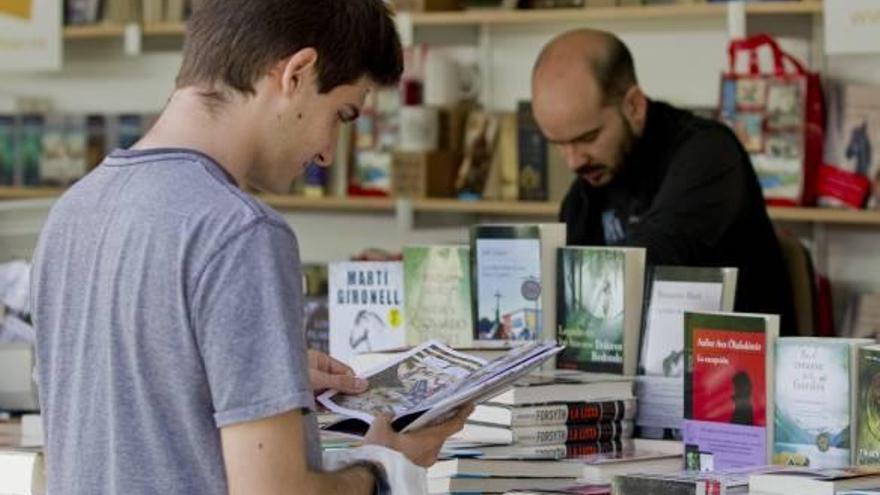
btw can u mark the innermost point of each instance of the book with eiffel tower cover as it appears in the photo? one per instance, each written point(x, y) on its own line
point(514, 276)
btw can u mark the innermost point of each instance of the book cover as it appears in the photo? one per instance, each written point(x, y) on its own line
point(129, 129)
point(437, 288)
point(366, 307)
point(7, 150)
point(317, 323)
point(599, 308)
point(813, 411)
point(671, 291)
point(30, 148)
point(868, 438)
point(728, 389)
point(507, 279)
point(96, 140)
point(532, 145)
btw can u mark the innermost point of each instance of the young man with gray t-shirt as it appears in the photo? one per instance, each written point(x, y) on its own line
point(168, 302)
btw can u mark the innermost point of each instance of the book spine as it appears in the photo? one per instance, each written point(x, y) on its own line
point(598, 432)
point(586, 449)
point(532, 156)
point(573, 413)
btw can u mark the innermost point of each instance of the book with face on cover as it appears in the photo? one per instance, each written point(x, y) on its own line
point(366, 307)
point(671, 291)
point(437, 288)
point(514, 276)
point(815, 414)
point(729, 384)
point(600, 293)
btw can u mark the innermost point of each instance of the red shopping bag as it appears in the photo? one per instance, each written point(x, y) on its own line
point(778, 113)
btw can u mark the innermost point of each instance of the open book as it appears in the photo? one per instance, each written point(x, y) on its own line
point(428, 384)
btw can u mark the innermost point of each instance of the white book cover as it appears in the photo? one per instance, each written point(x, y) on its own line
point(366, 308)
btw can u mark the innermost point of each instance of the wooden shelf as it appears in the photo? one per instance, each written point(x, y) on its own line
point(499, 17)
point(97, 31)
point(646, 12)
point(165, 29)
point(538, 209)
point(348, 205)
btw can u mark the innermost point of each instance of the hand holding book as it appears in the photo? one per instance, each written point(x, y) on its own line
point(427, 384)
point(423, 446)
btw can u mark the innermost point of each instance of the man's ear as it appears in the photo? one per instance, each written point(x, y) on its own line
point(635, 107)
point(296, 69)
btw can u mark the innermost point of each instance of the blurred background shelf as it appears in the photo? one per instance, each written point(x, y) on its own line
point(536, 209)
point(502, 17)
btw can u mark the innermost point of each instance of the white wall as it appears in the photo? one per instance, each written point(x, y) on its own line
point(678, 60)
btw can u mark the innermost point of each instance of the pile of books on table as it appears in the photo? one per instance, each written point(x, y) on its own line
point(551, 431)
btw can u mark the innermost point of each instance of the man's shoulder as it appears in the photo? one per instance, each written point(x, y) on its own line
point(178, 189)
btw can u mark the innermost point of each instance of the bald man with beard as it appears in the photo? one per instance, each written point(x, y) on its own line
point(651, 175)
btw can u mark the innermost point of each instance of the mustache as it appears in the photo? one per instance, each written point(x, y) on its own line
point(588, 168)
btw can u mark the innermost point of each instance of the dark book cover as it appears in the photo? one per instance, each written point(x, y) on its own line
point(533, 157)
point(7, 150)
point(30, 148)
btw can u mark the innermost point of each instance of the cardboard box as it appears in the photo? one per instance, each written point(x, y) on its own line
point(423, 175)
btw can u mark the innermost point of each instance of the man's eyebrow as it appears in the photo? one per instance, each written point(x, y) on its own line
point(586, 135)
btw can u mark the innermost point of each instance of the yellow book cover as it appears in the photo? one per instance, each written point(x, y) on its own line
point(16, 8)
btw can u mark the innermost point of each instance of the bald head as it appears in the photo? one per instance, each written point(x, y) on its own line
point(600, 56)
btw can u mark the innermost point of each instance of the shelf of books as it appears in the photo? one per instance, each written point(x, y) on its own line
point(501, 16)
point(535, 209)
point(498, 16)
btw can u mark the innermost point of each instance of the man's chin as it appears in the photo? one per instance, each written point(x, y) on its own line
point(597, 182)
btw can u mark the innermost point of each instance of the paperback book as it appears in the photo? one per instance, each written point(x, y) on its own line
point(815, 396)
point(728, 400)
point(366, 308)
point(514, 271)
point(868, 438)
point(437, 297)
point(554, 414)
point(600, 308)
point(429, 383)
point(671, 291)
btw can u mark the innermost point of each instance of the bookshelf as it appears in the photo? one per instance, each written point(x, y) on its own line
point(644, 12)
point(529, 209)
point(511, 17)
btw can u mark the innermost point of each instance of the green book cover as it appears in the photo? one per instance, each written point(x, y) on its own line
point(437, 295)
point(591, 309)
point(868, 438)
point(812, 414)
point(7, 150)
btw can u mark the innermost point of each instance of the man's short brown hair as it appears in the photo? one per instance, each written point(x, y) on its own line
point(233, 43)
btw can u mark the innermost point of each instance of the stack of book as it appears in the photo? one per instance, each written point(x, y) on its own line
point(553, 415)
point(493, 476)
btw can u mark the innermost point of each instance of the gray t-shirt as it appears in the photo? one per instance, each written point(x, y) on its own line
point(168, 304)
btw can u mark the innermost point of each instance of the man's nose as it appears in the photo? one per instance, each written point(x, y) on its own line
point(573, 158)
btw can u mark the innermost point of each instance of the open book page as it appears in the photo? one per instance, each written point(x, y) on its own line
point(434, 379)
point(404, 385)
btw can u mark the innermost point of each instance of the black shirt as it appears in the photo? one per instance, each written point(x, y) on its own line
point(688, 193)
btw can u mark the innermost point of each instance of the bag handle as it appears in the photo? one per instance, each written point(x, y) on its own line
point(751, 45)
